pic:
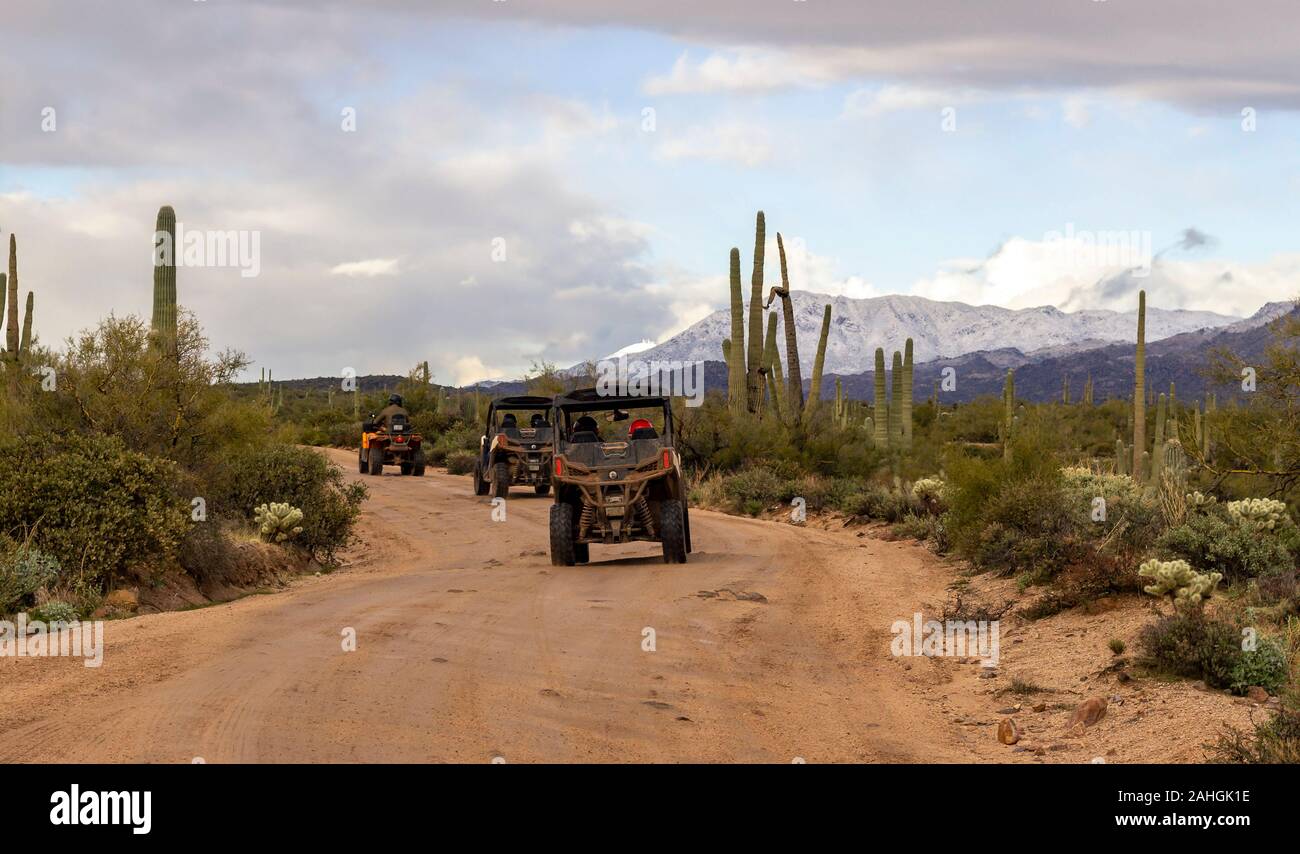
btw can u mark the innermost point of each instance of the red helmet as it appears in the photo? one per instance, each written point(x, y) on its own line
point(639, 424)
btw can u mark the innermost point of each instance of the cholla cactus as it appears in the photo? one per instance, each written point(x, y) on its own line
point(929, 488)
point(1262, 513)
point(1200, 501)
point(1186, 588)
point(278, 523)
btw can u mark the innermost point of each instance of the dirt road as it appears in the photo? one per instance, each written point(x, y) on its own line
point(771, 644)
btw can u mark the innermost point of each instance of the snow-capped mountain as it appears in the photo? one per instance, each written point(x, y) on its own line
point(937, 329)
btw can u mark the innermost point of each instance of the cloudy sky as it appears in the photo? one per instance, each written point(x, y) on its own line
point(487, 184)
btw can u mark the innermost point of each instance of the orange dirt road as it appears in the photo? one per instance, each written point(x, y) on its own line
point(771, 644)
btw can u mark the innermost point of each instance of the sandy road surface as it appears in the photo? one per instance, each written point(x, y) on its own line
point(471, 646)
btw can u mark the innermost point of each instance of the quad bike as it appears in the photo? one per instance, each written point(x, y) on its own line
point(397, 445)
point(619, 491)
point(515, 454)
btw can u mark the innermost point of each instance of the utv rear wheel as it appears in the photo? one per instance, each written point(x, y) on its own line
point(480, 485)
point(362, 465)
point(406, 468)
point(672, 527)
point(417, 464)
point(501, 480)
point(562, 545)
point(376, 461)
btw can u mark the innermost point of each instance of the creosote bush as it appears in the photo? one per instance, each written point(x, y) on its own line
point(460, 462)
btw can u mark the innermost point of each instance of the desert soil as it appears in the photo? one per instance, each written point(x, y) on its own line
point(770, 645)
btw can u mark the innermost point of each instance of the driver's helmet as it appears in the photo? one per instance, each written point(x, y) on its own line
point(538, 420)
point(586, 424)
point(639, 424)
point(395, 399)
point(509, 420)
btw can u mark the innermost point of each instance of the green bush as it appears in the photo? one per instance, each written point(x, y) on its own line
point(23, 571)
point(461, 462)
point(54, 611)
point(1275, 740)
point(1212, 543)
point(91, 504)
point(754, 489)
point(1194, 646)
point(303, 478)
point(1265, 666)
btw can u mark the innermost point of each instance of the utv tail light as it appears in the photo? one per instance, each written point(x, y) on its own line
point(559, 467)
point(668, 459)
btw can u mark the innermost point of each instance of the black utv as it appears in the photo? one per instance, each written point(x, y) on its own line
point(617, 476)
point(516, 446)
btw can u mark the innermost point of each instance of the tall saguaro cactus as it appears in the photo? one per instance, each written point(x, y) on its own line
point(736, 353)
point(772, 368)
point(896, 400)
point(11, 325)
point(880, 425)
point(907, 394)
point(794, 374)
point(754, 355)
point(164, 280)
point(25, 343)
point(815, 391)
point(1139, 388)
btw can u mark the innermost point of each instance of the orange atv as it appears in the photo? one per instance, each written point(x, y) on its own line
point(396, 446)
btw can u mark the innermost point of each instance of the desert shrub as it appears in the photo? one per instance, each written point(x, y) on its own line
point(1011, 514)
point(1210, 541)
point(930, 492)
point(1275, 740)
point(343, 434)
point(23, 571)
point(54, 611)
point(93, 505)
point(462, 437)
point(460, 462)
point(300, 477)
point(1192, 645)
point(1265, 666)
point(753, 489)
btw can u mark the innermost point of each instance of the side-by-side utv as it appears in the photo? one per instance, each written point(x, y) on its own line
point(516, 446)
point(617, 476)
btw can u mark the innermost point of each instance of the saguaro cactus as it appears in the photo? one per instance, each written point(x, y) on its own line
point(754, 354)
point(11, 327)
point(772, 357)
point(164, 280)
point(25, 344)
point(907, 394)
point(1008, 412)
point(896, 400)
point(736, 358)
point(794, 375)
point(815, 391)
point(880, 417)
point(1139, 387)
point(1121, 457)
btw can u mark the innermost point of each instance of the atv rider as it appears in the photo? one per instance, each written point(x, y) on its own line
point(394, 407)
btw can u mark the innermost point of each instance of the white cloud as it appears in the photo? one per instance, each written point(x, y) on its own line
point(869, 103)
point(468, 369)
point(366, 269)
point(736, 142)
point(1074, 110)
point(1027, 273)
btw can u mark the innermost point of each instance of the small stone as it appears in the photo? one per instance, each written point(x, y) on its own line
point(1087, 713)
point(1257, 694)
point(1040, 707)
point(1008, 731)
